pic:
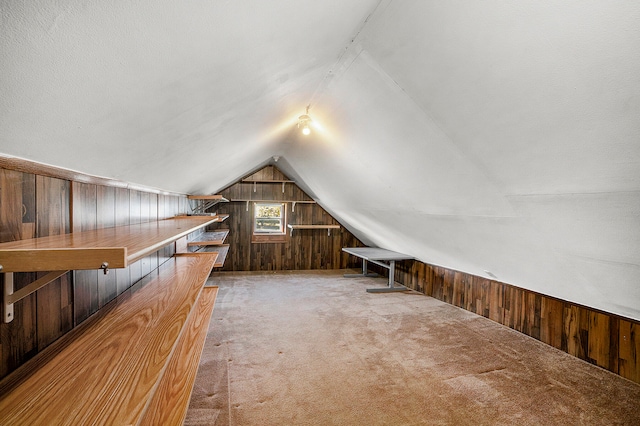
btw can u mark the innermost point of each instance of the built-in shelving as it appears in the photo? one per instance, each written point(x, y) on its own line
point(213, 238)
point(206, 201)
point(293, 202)
point(221, 250)
point(257, 181)
point(103, 249)
point(301, 226)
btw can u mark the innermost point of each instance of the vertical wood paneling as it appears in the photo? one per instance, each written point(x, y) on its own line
point(53, 217)
point(18, 339)
point(306, 249)
point(597, 337)
point(629, 350)
point(84, 201)
point(551, 320)
point(33, 206)
point(106, 218)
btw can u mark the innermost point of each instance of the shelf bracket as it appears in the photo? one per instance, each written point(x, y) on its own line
point(11, 296)
point(293, 206)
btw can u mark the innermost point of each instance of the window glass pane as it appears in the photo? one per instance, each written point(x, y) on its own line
point(268, 218)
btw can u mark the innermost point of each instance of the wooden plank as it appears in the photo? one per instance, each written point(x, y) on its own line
point(170, 402)
point(123, 355)
point(221, 251)
point(629, 350)
point(213, 238)
point(300, 226)
point(87, 250)
point(206, 197)
point(24, 260)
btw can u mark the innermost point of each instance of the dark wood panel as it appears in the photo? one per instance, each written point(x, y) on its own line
point(53, 217)
point(306, 249)
point(18, 339)
point(600, 338)
point(629, 350)
point(34, 168)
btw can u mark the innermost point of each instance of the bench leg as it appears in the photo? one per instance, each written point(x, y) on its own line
point(364, 272)
point(392, 287)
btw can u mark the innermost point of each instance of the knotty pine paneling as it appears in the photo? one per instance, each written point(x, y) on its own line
point(603, 339)
point(35, 205)
point(306, 249)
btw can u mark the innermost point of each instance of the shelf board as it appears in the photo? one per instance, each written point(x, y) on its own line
point(310, 226)
point(222, 251)
point(214, 238)
point(244, 200)
point(207, 197)
point(118, 246)
point(291, 226)
point(267, 181)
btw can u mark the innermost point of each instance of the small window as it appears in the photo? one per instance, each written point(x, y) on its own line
point(269, 218)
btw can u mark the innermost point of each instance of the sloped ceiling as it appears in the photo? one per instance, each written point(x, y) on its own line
point(481, 136)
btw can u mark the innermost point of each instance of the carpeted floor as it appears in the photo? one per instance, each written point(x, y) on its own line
point(316, 349)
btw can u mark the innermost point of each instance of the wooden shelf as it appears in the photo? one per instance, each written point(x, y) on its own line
point(207, 197)
point(327, 227)
point(118, 247)
point(257, 181)
point(293, 202)
point(267, 181)
point(222, 252)
point(112, 368)
point(213, 238)
point(206, 201)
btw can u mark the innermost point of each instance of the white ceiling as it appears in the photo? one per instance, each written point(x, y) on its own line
point(478, 135)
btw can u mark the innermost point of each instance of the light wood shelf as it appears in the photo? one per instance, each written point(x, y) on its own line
point(212, 238)
point(206, 201)
point(302, 226)
point(257, 181)
point(112, 367)
point(222, 252)
point(118, 246)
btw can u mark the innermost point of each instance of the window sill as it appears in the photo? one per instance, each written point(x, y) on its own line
point(268, 238)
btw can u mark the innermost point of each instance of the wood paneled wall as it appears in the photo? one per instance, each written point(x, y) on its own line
point(35, 205)
point(306, 249)
point(603, 339)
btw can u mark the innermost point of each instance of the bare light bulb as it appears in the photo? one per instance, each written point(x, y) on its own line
point(306, 130)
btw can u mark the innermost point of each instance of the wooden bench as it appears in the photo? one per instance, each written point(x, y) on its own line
point(134, 362)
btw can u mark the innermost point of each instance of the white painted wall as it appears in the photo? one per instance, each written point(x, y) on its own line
point(499, 136)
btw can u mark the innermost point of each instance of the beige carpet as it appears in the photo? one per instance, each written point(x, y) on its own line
point(316, 349)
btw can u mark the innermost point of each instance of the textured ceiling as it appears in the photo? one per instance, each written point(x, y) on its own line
point(481, 136)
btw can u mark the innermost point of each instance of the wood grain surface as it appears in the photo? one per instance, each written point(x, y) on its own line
point(76, 251)
point(109, 372)
point(170, 402)
point(214, 238)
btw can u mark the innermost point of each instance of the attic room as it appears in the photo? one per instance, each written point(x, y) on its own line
point(310, 213)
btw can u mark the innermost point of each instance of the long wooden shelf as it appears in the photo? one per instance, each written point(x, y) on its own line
point(117, 247)
point(222, 252)
point(301, 226)
point(213, 238)
point(206, 201)
point(107, 370)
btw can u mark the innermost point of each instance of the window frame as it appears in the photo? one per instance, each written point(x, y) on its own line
point(269, 237)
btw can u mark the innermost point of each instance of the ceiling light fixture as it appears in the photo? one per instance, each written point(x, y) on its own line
point(304, 121)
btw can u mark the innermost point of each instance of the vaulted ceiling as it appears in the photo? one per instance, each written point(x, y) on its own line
point(484, 136)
